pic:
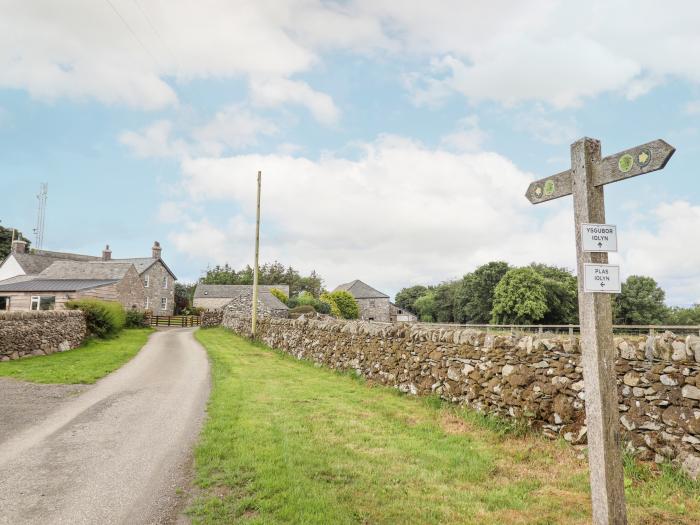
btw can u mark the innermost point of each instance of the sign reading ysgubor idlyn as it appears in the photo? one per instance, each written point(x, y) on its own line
point(601, 278)
point(599, 237)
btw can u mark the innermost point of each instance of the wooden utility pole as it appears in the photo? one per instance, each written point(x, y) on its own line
point(596, 280)
point(254, 316)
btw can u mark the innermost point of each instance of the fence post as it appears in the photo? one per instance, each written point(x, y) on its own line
point(539, 330)
point(651, 330)
point(571, 330)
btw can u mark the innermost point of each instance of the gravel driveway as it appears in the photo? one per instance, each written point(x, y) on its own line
point(116, 452)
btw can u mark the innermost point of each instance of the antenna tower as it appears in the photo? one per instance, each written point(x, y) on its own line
point(41, 216)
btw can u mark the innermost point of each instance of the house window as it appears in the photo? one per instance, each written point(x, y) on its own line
point(43, 302)
point(165, 282)
point(4, 303)
point(145, 281)
point(371, 302)
point(163, 303)
point(146, 307)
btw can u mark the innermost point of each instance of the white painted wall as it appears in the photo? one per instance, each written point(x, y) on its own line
point(10, 268)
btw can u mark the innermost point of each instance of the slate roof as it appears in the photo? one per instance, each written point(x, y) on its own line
point(143, 263)
point(85, 270)
point(34, 263)
point(360, 290)
point(52, 285)
point(224, 291)
point(272, 302)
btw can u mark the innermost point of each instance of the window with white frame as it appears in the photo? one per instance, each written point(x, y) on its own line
point(147, 305)
point(165, 282)
point(43, 302)
point(145, 281)
point(163, 303)
point(4, 303)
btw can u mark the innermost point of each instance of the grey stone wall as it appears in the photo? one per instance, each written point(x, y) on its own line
point(242, 305)
point(40, 333)
point(155, 290)
point(211, 318)
point(375, 309)
point(537, 379)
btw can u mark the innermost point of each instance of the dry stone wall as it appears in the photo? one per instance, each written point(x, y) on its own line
point(40, 333)
point(538, 379)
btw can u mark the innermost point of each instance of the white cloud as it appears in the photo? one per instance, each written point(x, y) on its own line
point(668, 252)
point(468, 136)
point(693, 107)
point(233, 128)
point(401, 213)
point(505, 51)
point(546, 127)
point(272, 92)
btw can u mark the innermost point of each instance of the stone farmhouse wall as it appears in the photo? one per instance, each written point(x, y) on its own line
point(40, 333)
point(376, 309)
point(538, 379)
point(155, 290)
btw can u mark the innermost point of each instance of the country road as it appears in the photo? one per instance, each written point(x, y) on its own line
point(119, 451)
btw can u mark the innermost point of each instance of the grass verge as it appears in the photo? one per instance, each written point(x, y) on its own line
point(86, 364)
point(286, 442)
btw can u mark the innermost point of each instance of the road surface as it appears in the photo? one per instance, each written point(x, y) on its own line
point(117, 453)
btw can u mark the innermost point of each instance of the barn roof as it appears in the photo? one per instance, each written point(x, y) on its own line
point(360, 290)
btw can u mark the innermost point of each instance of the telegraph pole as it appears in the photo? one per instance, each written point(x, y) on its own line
point(255, 265)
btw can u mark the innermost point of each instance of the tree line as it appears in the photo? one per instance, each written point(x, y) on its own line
point(499, 293)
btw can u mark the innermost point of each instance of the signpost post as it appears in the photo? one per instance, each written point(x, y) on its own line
point(585, 180)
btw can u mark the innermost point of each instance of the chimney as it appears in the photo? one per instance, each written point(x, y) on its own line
point(156, 250)
point(18, 246)
point(106, 254)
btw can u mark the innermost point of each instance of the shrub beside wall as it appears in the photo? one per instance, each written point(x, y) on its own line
point(537, 379)
point(40, 333)
point(104, 318)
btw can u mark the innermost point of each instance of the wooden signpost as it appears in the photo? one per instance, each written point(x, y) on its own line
point(585, 180)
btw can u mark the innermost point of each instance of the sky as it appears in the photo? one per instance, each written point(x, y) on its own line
point(396, 138)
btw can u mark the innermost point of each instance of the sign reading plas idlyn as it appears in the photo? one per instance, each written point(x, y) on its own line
point(601, 278)
point(599, 237)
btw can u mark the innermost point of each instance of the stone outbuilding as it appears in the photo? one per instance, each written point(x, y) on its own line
point(215, 296)
point(374, 305)
point(399, 315)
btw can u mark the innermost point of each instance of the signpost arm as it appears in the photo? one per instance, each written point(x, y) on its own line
point(597, 350)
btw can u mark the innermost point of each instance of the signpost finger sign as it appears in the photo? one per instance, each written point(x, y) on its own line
point(597, 280)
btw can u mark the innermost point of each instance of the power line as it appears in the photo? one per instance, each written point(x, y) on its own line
point(133, 33)
point(155, 31)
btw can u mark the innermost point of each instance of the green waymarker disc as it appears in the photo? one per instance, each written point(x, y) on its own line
point(643, 157)
point(625, 163)
point(549, 187)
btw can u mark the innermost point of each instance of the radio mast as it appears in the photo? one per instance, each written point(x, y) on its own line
point(41, 216)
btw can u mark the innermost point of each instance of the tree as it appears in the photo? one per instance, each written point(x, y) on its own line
point(445, 302)
point(473, 298)
point(269, 273)
point(678, 315)
point(640, 302)
point(425, 307)
point(406, 298)
point(328, 299)
point(6, 241)
point(520, 297)
point(184, 294)
point(562, 294)
point(349, 309)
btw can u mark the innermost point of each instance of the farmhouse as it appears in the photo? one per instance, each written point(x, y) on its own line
point(45, 280)
point(216, 296)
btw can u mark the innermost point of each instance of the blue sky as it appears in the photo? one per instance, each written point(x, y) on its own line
point(396, 139)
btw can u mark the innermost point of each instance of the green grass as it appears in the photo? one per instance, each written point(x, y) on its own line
point(86, 364)
point(287, 442)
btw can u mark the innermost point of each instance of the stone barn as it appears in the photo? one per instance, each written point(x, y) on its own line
point(374, 305)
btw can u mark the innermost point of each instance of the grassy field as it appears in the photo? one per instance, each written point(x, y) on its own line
point(92, 361)
point(287, 442)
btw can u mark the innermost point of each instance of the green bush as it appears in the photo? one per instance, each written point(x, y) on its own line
point(104, 319)
point(135, 319)
point(332, 307)
point(346, 303)
point(280, 295)
point(306, 299)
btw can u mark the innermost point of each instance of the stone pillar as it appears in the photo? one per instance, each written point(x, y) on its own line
point(106, 254)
